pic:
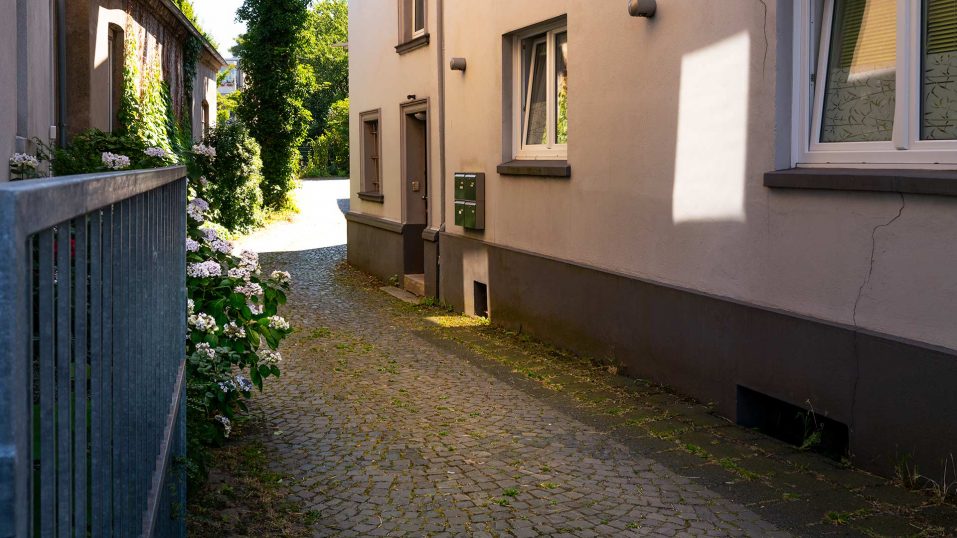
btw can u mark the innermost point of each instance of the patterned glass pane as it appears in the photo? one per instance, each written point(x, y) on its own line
point(860, 89)
point(939, 110)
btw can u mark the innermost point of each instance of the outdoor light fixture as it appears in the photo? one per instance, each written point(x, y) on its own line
point(642, 8)
point(457, 64)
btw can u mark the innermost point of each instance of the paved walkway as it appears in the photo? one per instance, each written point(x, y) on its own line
point(389, 429)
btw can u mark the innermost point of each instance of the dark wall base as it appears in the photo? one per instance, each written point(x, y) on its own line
point(431, 264)
point(375, 249)
point(895, 396)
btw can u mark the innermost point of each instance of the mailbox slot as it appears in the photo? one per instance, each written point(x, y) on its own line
point(470, 200)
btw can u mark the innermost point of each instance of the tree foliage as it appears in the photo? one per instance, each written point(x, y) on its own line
point(278, 81)
point(329, 59)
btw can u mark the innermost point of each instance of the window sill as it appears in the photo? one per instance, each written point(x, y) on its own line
point(535, 168)
point(939, 182)
point(412, 44)
point(372, 197)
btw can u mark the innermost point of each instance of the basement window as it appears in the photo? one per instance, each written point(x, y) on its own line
point(792, 424)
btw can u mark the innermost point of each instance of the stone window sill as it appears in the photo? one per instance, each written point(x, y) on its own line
point(372, 197)
point(535, 168)
point(412, 44)
point(939, 182)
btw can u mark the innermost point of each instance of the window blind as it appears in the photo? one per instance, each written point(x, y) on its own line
point(868, 35)
point(941, 26)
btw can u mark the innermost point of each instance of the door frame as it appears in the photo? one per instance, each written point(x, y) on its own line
point(405, 109)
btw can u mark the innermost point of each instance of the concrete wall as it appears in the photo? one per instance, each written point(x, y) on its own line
point(380, 78)
point(204, 89)
point(27, 77)
point(671, 126)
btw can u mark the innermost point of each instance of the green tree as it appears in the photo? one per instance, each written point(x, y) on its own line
point(329, 59)
point(278, 81)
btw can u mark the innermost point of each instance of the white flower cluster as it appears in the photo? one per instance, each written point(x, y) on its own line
point(278, 323)
point(249, 261)
point(203, 322)
point(192, 245)
point(210, 234)
point(227, 386)
point(203, 181)
point(159, 153)
point(204, 150)
point(227, 425)
point(238, 272)
point(281, 277)
point(244, 384)
point(190, 306)
point(249, 289)
point(219, 245)
point(22, 161)
point(231, 330)
point(255, 309)
point(114, 161)
point(197, 208)
point(269, 357)
point(204, 269)
point(204, 349)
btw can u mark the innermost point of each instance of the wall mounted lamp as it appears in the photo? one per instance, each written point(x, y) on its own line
point(457, 64)
point(642, 8)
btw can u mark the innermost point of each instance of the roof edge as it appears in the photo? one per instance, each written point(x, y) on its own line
point(174, 9)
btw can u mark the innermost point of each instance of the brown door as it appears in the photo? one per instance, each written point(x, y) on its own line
point(416, 179)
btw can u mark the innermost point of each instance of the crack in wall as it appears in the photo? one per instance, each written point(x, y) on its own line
point(860, 294)
point(764, 63)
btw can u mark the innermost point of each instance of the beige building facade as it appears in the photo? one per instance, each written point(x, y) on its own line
point(56, 83)
point(752, 202)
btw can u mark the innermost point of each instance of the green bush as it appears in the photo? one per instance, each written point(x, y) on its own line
point(234, 177)
point(85, 154)
point(233, 337)
point(328, 154)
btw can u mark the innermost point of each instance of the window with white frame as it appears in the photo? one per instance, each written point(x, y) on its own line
point(418, 17)
point(540, 93)
point(875, 82)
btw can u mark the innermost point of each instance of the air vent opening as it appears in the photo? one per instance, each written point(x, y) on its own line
point(803, 428)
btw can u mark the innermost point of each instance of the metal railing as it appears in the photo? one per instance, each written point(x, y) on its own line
point(92, 332)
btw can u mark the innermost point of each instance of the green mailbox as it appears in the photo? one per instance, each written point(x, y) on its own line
point(470, 200)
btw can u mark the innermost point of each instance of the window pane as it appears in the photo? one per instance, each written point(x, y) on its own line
point(561, 87)
point(537, 107)
point(419, 15)
point(939, 106)
point(862, 62)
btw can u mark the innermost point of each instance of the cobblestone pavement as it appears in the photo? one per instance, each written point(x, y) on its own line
point(391, 420)
point(389, 434)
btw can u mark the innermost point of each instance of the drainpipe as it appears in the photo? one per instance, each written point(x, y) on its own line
point(61, 72)
point(23, 108)
point(440, 53)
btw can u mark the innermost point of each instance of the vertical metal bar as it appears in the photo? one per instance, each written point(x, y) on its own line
point(97, 400)
point(80, 413)
point(106, 376)
point(64, 438)
point(47, 366)
point(15, 453)
point(117, 435)
point(178, 244)
point(33, 401)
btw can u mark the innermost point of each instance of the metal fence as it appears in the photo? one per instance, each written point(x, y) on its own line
point(92, 331)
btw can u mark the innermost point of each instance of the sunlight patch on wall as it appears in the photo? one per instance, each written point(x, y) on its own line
point(712, 140)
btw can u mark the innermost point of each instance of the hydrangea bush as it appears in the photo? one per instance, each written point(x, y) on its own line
point(234, 328)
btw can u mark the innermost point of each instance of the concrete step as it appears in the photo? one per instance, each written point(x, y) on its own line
point(415, 284)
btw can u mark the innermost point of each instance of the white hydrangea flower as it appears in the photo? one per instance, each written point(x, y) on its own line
point(278, 323)
point(114, 161)
point(203, 181)
point(249, 289)
point(269, 357)
point(221, 246)
point(204, 349)
point(231, 330)
point(203, 322)
point(210, 234)
point(238, 272)
point(190, 306)
point(256, 309)
point(204, 150)
point(244, 384)
point(197, 208)
point(227, 386)
point(281, 277)
point(227, 425)
point(159, 153)
point(204, 269)
point(249, 261)
point(24, 160)
point(192, 245)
